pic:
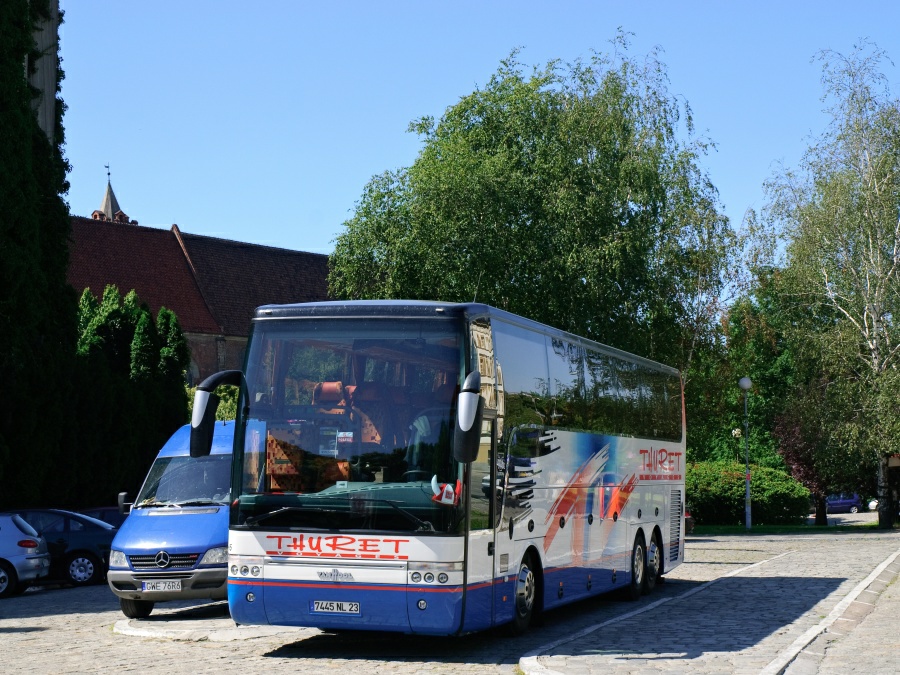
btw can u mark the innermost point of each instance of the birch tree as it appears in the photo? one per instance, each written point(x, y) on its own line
point(839, 214)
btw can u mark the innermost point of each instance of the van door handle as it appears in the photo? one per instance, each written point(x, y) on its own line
point(490, 548)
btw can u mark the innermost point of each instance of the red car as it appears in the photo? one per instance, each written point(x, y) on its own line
point(688, 522)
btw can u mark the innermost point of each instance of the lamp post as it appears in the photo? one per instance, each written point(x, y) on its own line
point(745, 384)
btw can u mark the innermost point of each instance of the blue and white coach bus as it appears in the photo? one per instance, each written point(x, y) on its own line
point(441, 468)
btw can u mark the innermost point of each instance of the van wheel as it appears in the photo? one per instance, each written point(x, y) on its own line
point(638, 569)
point(136, 609)
point(524, 598)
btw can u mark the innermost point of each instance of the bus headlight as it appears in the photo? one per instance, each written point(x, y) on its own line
point(246, 566)
point(429, 572)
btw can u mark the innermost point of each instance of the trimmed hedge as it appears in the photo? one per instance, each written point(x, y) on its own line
point(715, 495)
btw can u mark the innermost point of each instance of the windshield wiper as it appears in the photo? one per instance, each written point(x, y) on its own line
point(252, 520)
point(423, 525)
point(200, 502)
point(147, 504)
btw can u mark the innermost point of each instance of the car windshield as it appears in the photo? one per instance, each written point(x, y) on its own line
point(349, 423)
point(182, 481)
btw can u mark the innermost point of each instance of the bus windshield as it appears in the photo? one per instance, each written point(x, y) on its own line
point(347, 425)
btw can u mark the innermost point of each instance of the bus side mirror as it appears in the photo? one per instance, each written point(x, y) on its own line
point(467, 436)
point(203, 419)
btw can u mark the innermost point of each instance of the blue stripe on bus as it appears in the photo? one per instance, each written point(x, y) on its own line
point(396, 606)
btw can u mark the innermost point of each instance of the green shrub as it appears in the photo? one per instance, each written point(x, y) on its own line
point(227, 409)
point(715, 495)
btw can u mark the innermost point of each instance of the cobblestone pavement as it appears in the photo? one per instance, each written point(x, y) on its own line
point(803, 604)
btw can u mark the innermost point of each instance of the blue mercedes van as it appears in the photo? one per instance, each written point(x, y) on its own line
point(174, 543)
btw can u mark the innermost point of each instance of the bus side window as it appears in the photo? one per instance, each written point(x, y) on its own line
point(486, 481)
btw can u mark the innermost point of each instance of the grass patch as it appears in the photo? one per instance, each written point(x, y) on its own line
point(718, 530)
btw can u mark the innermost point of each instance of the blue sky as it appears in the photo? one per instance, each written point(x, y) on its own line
point(263, 121)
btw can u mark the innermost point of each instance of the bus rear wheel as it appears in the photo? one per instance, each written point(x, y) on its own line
point(638, 568)
point(654, 564)
point(525, 595)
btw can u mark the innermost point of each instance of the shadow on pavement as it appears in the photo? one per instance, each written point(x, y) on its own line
point(50, 600)
point(743, 612)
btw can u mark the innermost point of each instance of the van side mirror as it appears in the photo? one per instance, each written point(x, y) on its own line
point(124, 507)
point(467, 435)
point(203, 419)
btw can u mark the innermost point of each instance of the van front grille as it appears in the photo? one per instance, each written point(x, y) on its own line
point(159, 561)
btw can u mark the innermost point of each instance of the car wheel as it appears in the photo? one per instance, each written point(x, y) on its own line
point(82, 569)
point(638, 569)
point(854, 509)
point(525, 595)
point(654, 564)
point(9, 580)
point(136, 609)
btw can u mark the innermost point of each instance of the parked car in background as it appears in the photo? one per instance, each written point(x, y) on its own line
point(23, 555)
point(688, 522)
point(108, 514)
point(78, 544)
point(844, 502)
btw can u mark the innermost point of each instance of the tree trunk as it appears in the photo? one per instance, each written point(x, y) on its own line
point(886, 508)
point(821, 513)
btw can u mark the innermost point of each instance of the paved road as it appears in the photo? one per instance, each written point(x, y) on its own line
point(800, 605)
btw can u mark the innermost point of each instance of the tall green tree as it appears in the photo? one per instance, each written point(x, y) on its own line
point(37, 307)
point(572, 195)
point(133, 368)
point(839, 213)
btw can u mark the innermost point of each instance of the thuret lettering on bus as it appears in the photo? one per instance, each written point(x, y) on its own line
point(338, 546)
point(661, 464)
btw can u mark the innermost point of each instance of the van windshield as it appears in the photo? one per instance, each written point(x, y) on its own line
point(185, 481)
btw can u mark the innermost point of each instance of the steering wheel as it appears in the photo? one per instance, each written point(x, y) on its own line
point(415, 471)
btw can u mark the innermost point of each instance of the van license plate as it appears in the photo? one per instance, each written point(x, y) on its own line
point(156, 586)
point(332, 607)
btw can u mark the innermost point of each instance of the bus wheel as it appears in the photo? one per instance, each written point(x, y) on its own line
point(654, 564)
point(525, 594)
point(638, 568)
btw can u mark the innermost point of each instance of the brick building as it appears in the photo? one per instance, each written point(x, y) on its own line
point(213, 285)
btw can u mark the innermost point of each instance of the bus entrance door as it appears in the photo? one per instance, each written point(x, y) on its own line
point(481, 565)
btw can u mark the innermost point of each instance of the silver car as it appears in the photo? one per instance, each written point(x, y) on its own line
point(23, 555)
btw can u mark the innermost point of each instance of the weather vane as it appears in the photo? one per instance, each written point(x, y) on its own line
point(106, 166)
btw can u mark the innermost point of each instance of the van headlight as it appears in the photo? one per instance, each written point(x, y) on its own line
point(117, 559)
point(215, 556)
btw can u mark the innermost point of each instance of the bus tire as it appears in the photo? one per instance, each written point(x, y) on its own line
point(654, 564)
point(524, 596)
point(638, 568)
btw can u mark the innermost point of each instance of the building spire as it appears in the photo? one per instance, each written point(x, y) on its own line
point(109, 207)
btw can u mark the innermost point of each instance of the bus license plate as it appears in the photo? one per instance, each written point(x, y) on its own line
point(151, 586)
point(332, 607)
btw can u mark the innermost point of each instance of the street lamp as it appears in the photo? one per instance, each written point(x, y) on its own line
point(745, 384)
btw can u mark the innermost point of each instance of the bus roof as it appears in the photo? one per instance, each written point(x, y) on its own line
point(431, 308)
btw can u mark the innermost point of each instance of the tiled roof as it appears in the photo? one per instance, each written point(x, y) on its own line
point(236, 277)
point(213, 285)
point(145, 259)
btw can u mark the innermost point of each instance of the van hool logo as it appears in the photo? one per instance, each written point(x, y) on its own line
point(335, 575)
